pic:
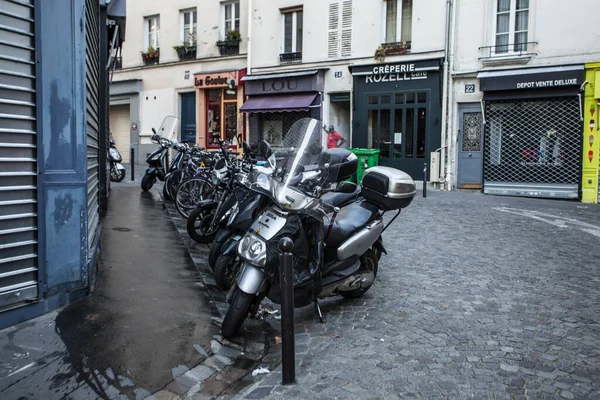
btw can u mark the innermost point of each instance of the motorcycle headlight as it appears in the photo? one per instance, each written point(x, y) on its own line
point(114, 153)
point(263, 181)
point(253, 249)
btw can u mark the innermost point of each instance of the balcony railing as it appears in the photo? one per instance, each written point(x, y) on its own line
point(514, 50)
point(290, 57)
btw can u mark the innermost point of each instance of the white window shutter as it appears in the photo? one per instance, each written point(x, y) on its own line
point(333, 35)
point(346, 29)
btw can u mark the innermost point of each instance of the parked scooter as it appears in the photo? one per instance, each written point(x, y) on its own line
point(165, 137)
point(117, 170)
point(335, 250)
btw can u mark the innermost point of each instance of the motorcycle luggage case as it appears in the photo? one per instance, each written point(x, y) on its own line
point(388, 188)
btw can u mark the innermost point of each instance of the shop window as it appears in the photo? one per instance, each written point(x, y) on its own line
point(373, 99)
point(222, 117)
point(387, 99)
point(152, 29)
point(189, 20)
point(292, 35)
point(339, 33)
point(231, 17)
point(511, 26)
point(398, 21)
point(214, 116)
point(339, 115)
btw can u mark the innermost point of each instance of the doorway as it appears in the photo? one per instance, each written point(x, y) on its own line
point(470, 145)
point(188, 117)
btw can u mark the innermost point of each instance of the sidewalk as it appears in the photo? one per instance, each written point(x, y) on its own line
point(149, 326)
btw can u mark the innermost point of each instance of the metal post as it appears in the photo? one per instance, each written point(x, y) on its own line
point(132, 162)
point(288, 356)
point(425, 180)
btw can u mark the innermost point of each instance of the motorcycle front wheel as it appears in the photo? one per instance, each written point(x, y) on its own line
point(214, 253)
point(148, 182)
point(237, 313)
point(117, 175)
point(199, 224)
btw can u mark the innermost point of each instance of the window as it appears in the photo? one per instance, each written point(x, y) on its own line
point(231, 17)
point(152, 29)
point(292, 30)
point(398, 21)
point(339, 37)
point(188, 27)
point(512, 22)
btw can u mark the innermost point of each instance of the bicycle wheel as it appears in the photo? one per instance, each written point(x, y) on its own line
point(190, 192)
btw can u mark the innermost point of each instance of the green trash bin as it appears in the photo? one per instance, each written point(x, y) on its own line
point(367, 158)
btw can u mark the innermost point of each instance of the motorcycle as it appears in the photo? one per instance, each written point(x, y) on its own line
point(334, 249)
point(117, 170)
point(165, 137)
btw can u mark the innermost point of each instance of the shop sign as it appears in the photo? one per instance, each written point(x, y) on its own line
point(289, 84)
point(395, 73)
point(216, 80)
point(546, 80)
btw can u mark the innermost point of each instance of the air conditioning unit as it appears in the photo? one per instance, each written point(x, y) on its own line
point(434, 170)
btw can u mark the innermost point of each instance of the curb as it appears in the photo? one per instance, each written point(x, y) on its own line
point(227, 368)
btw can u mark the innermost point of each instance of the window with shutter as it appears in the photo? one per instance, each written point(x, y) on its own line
point(333, 38)
point(346, 44)
point(340, 29)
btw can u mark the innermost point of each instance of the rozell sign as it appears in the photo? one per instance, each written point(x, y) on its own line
point(395, 73)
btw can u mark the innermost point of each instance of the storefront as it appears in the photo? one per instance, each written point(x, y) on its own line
point(532, 134)
point(590, 188)
point(219, 101)
point(398, 111)
point(276, 101)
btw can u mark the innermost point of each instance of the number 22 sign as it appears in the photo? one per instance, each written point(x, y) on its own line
point(470, 88)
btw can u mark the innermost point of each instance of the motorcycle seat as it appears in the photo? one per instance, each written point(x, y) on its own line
point(337, 199)
point(349, 220)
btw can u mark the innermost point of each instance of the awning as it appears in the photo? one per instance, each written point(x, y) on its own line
point(277, 103)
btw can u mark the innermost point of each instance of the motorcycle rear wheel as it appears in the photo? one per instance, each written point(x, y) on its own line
point(148, 182)
point(237, 313)
point(368, 263)
point(214, 253)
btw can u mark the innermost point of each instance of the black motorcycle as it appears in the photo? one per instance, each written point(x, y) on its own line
point(165, 137)
point(334, 250)
point(117, 170)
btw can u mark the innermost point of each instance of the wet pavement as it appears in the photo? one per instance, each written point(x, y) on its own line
point(148, 321)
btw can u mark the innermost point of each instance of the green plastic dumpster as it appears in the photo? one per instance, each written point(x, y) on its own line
point(367, 158)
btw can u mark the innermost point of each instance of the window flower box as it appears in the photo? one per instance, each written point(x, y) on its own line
point(231, 44)
point(186, 52)
point(151, 56)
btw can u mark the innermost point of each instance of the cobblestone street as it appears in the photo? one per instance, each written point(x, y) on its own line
point(478, 297)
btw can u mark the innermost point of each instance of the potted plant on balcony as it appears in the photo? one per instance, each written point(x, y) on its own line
point(151, 56)
point(396, 47)
point(379, 54)
point(231, 44)
point(188, 50)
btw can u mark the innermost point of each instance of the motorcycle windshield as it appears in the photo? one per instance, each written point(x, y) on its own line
point(296, 160)
point(169, 128)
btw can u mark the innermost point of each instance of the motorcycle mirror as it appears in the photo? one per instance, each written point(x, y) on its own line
point(154, 131)
point(272, 161)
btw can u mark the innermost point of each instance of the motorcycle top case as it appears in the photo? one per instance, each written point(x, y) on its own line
point(388, 188)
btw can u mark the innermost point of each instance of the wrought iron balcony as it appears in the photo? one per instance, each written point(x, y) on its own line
point(290, 57)
point(508, 51)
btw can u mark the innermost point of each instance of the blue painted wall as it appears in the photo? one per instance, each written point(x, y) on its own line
point(62, 187)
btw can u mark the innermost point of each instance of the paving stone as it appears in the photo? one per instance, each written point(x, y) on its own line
point(213, 387)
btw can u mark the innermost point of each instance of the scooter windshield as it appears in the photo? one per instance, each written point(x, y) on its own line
point(169, 128)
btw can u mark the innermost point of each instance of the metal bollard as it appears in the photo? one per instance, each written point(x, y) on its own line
point(425, 180)
point(132, 162)
point(286, 277)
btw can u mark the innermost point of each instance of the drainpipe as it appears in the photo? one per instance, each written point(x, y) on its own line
point(249, 52)
point(442, 165)
point(450, 116)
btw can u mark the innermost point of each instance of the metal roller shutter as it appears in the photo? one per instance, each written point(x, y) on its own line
point(119, 125)
point(18, 167)
point(92, 58)
point(533, 147)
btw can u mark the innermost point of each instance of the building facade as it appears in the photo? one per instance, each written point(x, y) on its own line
point(516, 98)
point(183, 58)
point(372, 69)
point(53, 143)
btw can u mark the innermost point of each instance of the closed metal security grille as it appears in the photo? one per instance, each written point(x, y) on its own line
point(92, 61)
point(532, 147)
point(18, 168)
